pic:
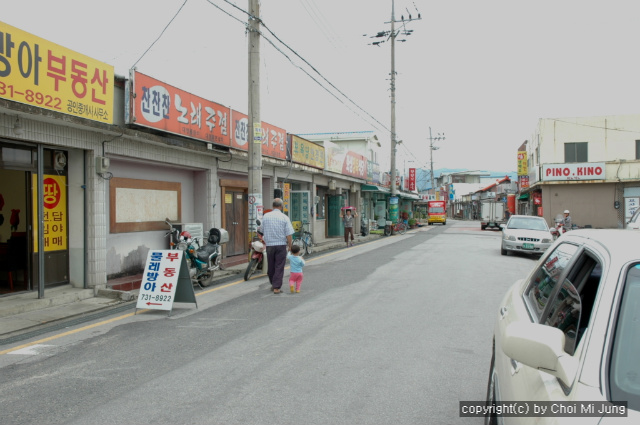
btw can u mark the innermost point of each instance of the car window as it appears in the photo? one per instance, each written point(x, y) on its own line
point(564, 314)
point(624, 367)
point(545, 279)
point(527, 223)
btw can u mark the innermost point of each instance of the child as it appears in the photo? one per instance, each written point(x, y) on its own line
point(297, 263)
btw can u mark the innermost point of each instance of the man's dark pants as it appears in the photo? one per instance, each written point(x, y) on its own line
point(277, 257)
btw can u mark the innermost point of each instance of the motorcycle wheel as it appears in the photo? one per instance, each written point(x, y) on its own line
point(387, 231)
point(205, 279)
point(251, 268)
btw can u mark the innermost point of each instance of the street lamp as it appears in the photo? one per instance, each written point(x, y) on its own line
point(431, 149)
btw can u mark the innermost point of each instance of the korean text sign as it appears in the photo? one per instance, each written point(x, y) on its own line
point(274, 139)
point(40, 73)
point(160, 279)
point(55, 213)
point(306, 152)
point(161, 106)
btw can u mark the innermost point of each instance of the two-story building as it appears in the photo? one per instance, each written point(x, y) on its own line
point(587, 165)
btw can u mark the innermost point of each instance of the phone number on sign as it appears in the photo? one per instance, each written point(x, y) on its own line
point(32, 97)
point(149, 297)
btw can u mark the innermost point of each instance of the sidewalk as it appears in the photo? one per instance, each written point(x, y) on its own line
point(24, 312)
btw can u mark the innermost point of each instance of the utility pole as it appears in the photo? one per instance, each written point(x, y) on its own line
point(393, 100)
point(391, 35)
point(255, 124)
point(431, 149)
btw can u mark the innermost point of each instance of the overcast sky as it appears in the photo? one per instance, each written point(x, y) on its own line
point(481, 72)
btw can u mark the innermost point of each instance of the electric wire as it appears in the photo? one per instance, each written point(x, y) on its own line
point(161, 33)
point(305, 61)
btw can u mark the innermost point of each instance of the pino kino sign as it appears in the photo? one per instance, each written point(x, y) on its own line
point(576, 171)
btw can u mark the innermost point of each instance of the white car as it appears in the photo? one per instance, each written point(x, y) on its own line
point(634, 222)
point(567, 336)
point(526, 234)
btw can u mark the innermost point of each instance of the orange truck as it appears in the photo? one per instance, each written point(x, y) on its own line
point(437, 212)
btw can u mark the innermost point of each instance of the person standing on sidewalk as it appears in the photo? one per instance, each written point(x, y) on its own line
point(348, 219)
point(297, 263)
point(277, 230)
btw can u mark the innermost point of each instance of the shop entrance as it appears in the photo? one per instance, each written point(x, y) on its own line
point(334, 227)
point(235, 211)
point(18, 218)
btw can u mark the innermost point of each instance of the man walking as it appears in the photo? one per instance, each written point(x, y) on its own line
point(277, 230)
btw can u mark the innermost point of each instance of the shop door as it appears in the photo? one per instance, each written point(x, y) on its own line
point(335, 227)
point(235, 208)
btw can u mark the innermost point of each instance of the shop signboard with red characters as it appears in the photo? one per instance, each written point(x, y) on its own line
point(273, 139)
point(55, 213)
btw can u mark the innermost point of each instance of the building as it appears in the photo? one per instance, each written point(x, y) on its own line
point(588, 165)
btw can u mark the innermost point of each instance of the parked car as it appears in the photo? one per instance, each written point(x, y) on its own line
point(634, 222)
point(568, 334)
point(525, 233)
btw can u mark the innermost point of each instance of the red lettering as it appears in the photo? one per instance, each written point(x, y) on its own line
point(565, 171)
point(598, 171)
point(579, 171)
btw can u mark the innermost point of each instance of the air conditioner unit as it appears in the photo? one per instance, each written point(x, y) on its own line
point(354, 187)
point(332, 185)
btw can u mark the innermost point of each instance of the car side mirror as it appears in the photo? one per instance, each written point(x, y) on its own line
point(540, 347)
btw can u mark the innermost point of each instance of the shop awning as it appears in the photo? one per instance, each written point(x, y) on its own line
point(373, 188)
point(523, 196)
point(409, 196)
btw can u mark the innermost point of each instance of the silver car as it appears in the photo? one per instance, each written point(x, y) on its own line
point(527, 234)
point(566, 339)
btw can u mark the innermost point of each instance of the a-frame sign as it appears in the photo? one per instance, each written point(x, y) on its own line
point(165, 281)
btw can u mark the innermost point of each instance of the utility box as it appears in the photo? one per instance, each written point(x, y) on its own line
point(195, 229)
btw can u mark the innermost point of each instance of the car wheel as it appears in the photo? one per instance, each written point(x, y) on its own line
point(503, 251)
point(483, 227)
point(491, 418)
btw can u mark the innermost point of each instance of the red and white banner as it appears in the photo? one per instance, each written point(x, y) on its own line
point(412, 179)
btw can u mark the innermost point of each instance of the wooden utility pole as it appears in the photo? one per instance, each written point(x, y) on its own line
point(255, 125)
point(394, 190)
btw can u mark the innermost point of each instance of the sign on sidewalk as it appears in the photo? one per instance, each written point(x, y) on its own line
point(165, 281)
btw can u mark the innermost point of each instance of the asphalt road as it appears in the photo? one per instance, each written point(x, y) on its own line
point(396, 331)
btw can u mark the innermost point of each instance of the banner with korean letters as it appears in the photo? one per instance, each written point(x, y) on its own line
point(41, 73)
point(165, 280)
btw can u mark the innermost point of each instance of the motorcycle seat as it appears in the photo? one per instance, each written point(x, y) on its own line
point(204, 252)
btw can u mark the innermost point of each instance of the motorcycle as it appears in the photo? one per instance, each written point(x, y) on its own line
point(558, 229)
point(203, 260)
point(364, 226)
point(258, 249)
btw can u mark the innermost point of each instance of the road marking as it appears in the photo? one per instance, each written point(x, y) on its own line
point(124, 316)
point(32, 350)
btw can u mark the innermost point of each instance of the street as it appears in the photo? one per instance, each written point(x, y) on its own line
point(393, 331)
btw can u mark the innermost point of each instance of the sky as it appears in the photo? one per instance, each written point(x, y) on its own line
point(481, 73)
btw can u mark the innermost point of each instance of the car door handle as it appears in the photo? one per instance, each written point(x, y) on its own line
point(503, 312)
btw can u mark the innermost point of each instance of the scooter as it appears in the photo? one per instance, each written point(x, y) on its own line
point(258, 248)
point(364, 226)
point(558, 229)
point(202, 261)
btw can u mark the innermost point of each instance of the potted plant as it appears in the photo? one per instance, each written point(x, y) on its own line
point(413, 223)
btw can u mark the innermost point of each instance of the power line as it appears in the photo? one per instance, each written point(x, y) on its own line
point(165, 28)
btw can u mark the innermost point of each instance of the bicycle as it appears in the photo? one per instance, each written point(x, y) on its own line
point(399, 227)
point(304, 239)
